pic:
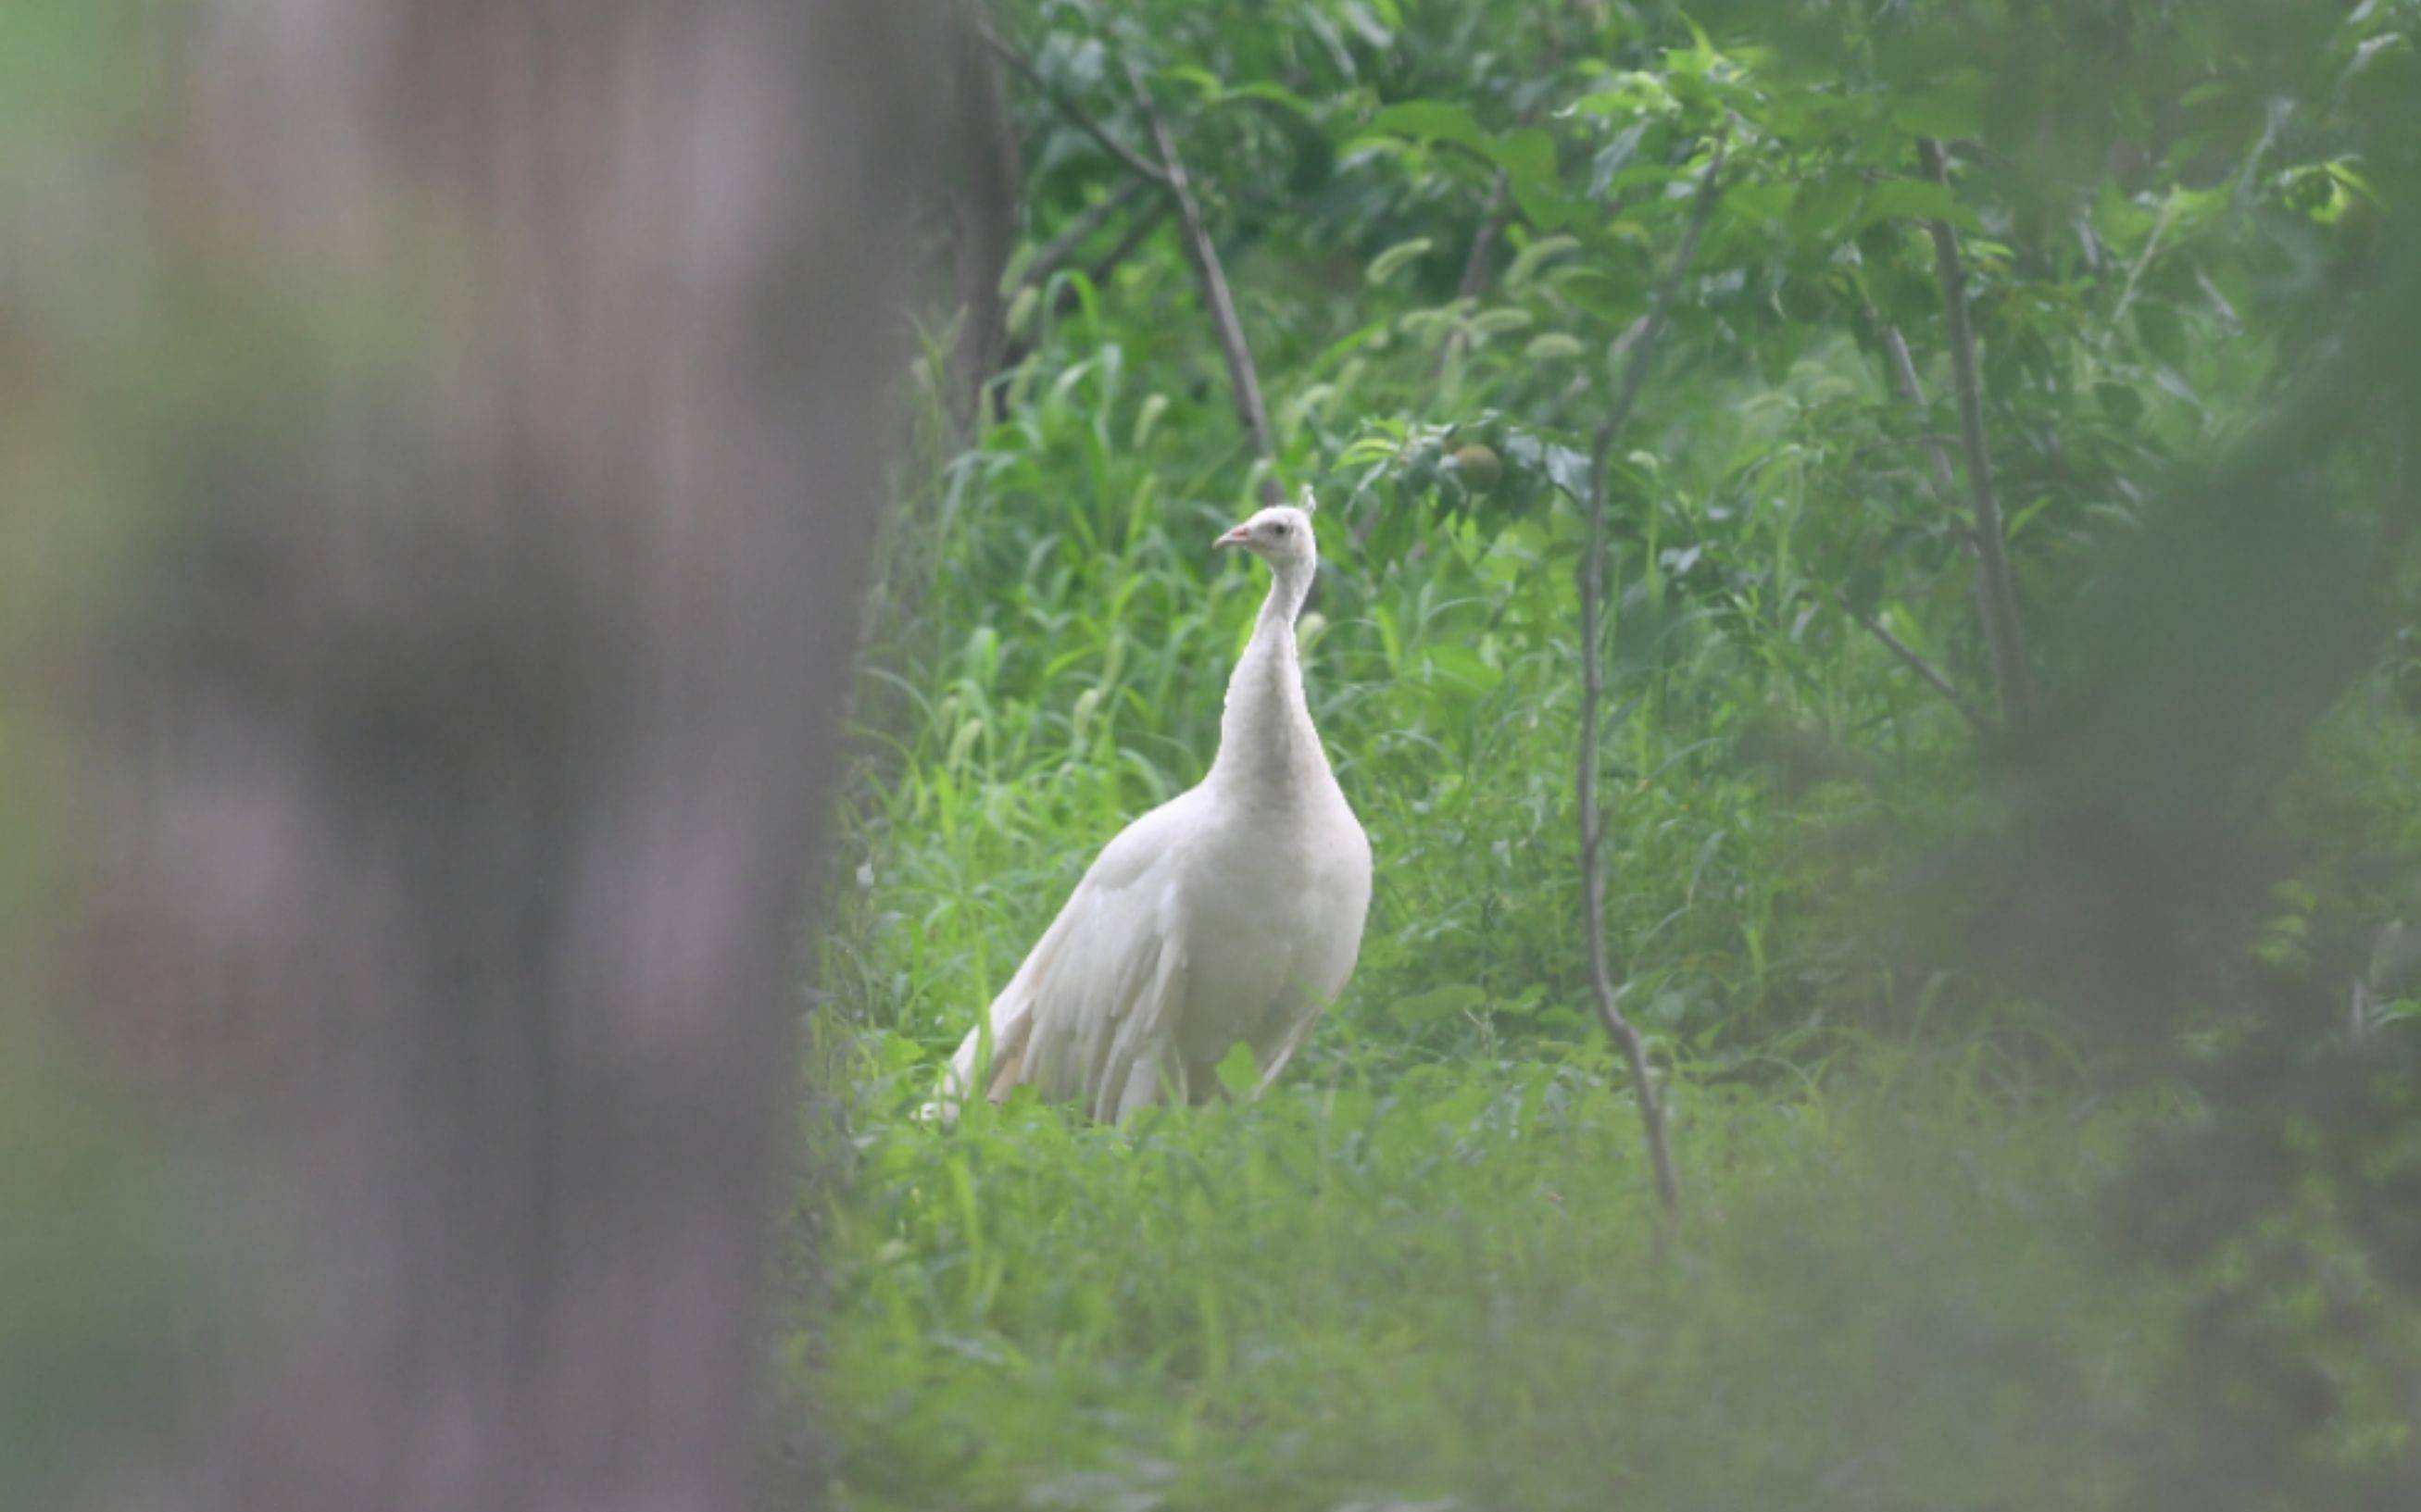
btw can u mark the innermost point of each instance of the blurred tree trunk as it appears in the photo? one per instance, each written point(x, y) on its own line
point(468, 698)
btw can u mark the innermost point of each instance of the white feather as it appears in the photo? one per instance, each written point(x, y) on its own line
point(1231, 914)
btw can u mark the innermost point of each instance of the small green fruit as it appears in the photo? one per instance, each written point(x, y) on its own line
point(1479, 466)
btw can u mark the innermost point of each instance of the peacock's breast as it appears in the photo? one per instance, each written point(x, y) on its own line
point(1266, 906)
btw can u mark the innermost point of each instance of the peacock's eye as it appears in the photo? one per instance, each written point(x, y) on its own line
point(1278, 529)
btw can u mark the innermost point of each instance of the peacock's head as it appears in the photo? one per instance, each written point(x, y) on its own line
point(1278, 534)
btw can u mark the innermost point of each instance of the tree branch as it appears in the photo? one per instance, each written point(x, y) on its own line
point(1242, 376)
point(1996, 595)
point(1636, 350)
point(1919, 666)
point(1068, 107)
point(1937, 446)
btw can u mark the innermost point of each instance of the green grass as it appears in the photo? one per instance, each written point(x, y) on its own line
point(1445, 1288)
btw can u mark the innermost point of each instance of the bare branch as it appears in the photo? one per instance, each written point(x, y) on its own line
point(1638, 347)
point(1996, 594)
point(1068, 107)
point(1241, 375)
point(1919, 666)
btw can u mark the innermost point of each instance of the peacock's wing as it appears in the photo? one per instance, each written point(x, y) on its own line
point(1089, 1014)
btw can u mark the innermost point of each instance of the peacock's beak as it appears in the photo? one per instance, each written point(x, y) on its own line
point(1237, 536)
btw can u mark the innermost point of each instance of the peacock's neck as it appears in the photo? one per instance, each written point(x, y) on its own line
point(1266, 736)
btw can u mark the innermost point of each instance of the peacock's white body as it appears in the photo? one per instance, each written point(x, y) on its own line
point(1231, 913)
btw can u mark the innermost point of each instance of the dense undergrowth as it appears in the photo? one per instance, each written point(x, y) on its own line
point(1442, 1287)
point(1427, 1271)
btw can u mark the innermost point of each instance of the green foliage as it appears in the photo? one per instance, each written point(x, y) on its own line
point(1421, 1272)
point(1439, 1289)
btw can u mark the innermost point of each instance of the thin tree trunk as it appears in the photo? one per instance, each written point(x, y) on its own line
point(1638, 346)
point(1995, 591)
point(1912, 393)
point(472, 699)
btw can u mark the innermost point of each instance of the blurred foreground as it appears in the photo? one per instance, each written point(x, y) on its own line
point(443, 464)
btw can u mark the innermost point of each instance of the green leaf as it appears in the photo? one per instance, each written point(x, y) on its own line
point(1463, 664)
point(1431, 119)
point(1950, 107)
point(2162, 333)
point(1528, 158)
point(1274, 94)
point(2120, 401)
point(1552, 347)
point(1437, 1003)
point(1527, 262)
point(2344, 173)
point(1821, 208)
point(1206, 85)
point(1239, 1072)
point(1913, 199)
point(1499, 322)
point(1388, 262)
point(1605, 103)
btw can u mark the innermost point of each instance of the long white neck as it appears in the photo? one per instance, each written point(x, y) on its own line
point(1265, 736)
